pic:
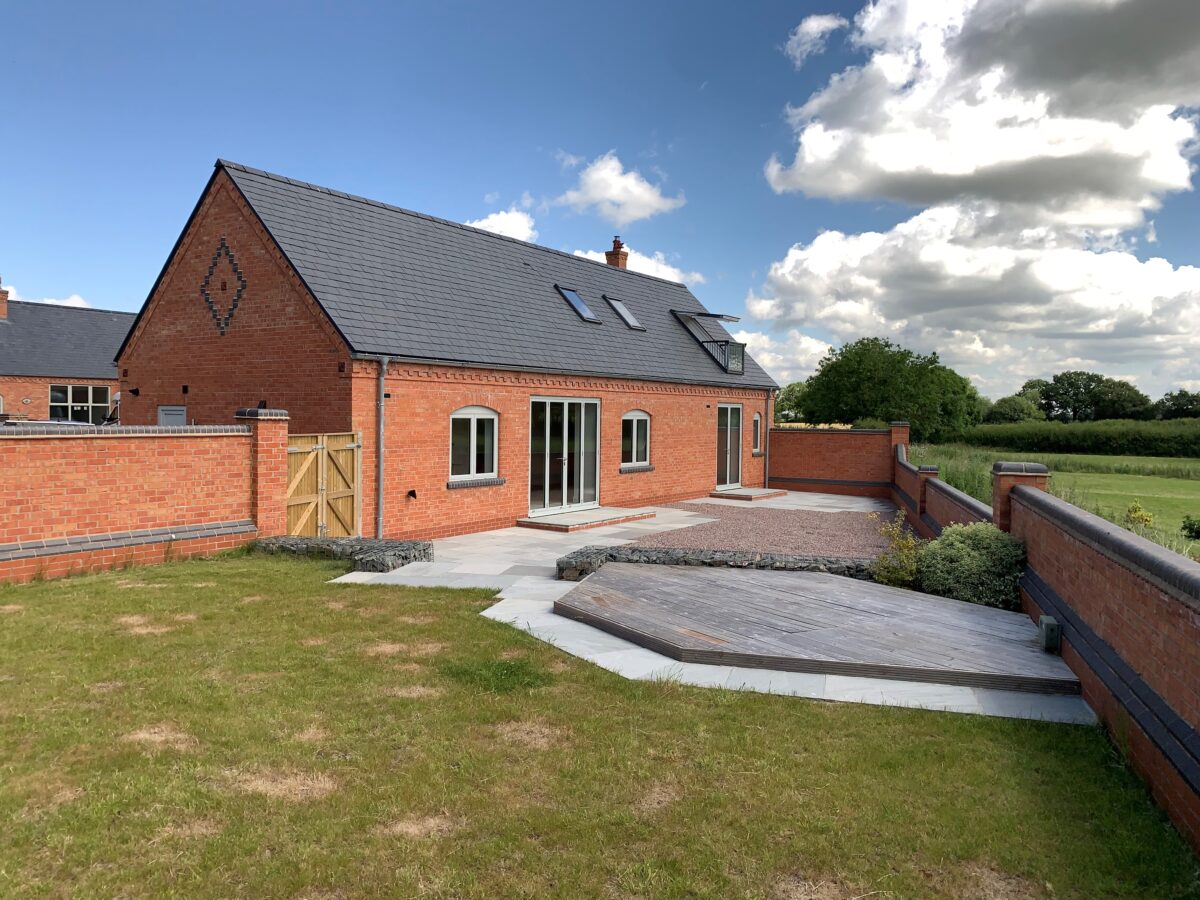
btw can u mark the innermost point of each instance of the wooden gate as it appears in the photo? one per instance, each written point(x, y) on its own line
point(324, 485)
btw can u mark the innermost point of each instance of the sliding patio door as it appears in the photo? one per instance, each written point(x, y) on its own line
point(729, 446)
point(564, 449)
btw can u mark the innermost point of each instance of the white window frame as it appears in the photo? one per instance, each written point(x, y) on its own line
point(474, 414)
point(90, 405)
point(756, 440)
point(635, 416)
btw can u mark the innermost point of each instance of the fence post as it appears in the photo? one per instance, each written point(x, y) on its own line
point(269, 464)
point(1006, 476)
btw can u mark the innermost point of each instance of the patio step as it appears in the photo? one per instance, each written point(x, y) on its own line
point(749, 494)
point(587, 518)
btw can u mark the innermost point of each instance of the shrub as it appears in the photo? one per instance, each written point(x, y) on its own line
point(861, 424)
point(1137, 516)
point(897, 566)
point(1191, 528)
point(977, 563)
point(1110, 437)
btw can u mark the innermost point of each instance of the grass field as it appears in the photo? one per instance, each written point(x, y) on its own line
point(238, 727)
point(1106, 485)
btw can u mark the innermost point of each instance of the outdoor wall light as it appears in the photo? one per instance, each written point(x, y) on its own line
point(136, 392)
point(412, 495)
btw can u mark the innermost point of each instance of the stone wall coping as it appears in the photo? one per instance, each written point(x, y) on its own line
point(261, 414)
point(965, 500)
point(116, 540)
point(1019, 468)
point(851, 431)
point(89, 431)
point(1172, 573)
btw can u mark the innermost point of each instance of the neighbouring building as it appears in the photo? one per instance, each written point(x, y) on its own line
point(506, 379)
point(56, 362)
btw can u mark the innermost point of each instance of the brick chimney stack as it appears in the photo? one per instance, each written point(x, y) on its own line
point(3, 302)
point(618, 256)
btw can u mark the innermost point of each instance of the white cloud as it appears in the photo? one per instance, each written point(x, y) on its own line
point(618, 195)
point(491, 197)
point(567, 160)
point(526, 200)
point(792, 357)
point(1035, 188)
point(810, 35)
point(73, 300)
point(512, 222)
point(654, 264)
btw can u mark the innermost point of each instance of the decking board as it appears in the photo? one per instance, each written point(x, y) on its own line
point(814, 622)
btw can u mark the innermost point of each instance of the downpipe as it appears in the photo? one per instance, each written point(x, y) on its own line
point(380, 414)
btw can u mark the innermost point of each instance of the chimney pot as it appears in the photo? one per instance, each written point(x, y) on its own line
point(618, 256)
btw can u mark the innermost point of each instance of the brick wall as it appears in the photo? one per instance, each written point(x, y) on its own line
point(945, 505)
point(276, 345)
point(835, 461)
point(100, 496)
point(417, 445)
point(1130, 612)
point(16, 389)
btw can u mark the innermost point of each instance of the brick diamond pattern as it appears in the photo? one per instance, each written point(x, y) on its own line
point(214, 288)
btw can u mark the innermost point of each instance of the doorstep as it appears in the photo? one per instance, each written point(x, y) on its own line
point(750, 494)
point(578, 520)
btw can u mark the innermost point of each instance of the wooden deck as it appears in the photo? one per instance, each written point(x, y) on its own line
point(812, 622)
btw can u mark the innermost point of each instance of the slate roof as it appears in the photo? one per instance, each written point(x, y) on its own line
point(61, 341)
point(402, 283)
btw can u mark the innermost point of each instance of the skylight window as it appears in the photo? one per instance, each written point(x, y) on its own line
point(623, 311)
point(578, 305)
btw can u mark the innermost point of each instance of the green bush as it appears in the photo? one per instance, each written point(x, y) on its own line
point(1113, 437)
point(897, 566)
point(861, 424)
point(977, 563)
point(1137, 516)
point(1191, 528)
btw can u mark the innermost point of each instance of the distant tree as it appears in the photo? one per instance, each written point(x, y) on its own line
point(1179, 404)
point(1033, 389)
point(787, 407)
point(873, 378)
point(1071, 396)
point(1115, 399)
point(1017, 408)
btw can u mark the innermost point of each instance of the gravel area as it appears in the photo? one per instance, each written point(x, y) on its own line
point(757, 528)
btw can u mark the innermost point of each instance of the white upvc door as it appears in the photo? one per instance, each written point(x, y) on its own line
point(729, 446)
point(564, 455)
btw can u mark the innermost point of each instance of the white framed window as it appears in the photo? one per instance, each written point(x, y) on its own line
point(473, 445)
point(635, 438)
point(79, 402)
point(756, 434)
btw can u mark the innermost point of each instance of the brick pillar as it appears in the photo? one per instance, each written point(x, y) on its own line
point(924, 473)
point(899, 435)
point(269, 445)
point(1006, 476)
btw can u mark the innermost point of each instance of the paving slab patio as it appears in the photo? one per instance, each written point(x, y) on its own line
point(502, 559)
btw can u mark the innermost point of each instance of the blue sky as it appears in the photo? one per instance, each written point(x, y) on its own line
point(113, 116)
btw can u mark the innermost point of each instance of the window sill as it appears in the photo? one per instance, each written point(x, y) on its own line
point(634, 468)
point(757, 453)
point(488, 481)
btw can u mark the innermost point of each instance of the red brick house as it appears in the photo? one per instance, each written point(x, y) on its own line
point(56, 362)
point(506, 379)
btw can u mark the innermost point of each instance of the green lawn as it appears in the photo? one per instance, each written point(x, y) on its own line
point(238, 727)
point(1106, 485)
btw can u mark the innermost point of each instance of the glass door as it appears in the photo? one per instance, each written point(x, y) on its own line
point(729, 446)
point(564, 448)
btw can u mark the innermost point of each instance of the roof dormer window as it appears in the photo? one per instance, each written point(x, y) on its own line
point(581, 308)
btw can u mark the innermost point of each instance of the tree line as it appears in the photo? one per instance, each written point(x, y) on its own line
point(873, 381)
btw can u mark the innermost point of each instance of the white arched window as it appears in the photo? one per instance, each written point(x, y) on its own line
point(474, 448)
point(756, 434)
point(635, 438)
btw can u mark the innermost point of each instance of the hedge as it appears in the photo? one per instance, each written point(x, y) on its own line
point(1112, 437)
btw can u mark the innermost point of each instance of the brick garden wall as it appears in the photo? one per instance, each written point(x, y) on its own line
point(683, 434)
point(276, 345)
point(835, 461)
point(1130, 612)
point(81, 499)
point(16, 389)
